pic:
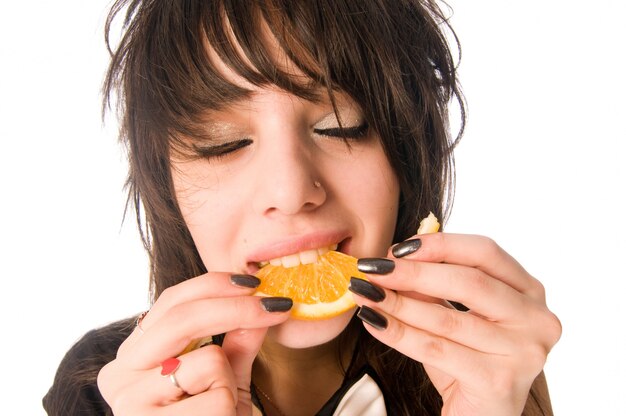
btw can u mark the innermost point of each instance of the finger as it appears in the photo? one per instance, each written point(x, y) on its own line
point(458, 361)
point(241, 347)
point(204, 369)
point(200, 370)
point(473, 251)
point(460, 327)
point(217, 401)
point(200, 318)
point(209, 285)
point(472, 287)
point(491, 377)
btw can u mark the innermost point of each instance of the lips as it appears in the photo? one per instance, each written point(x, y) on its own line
point(294, 251)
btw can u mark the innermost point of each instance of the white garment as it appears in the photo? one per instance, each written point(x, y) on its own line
point(363, 399)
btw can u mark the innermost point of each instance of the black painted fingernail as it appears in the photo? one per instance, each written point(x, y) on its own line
point(245, 280)
point(376, 265)
point(406, 247)
point(366, 289)
point(373, 318)
point(276, 304)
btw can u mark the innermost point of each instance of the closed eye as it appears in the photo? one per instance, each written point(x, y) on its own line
point(344, 132)
point(222, 149)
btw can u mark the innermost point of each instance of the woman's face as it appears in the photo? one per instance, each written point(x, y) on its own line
point(276, 180)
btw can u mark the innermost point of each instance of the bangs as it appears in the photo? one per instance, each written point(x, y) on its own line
point(302, 47)
point(286, 44)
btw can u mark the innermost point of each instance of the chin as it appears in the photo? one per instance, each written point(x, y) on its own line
point(296, 333)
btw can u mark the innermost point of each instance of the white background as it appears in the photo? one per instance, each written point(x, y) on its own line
point(540, 169)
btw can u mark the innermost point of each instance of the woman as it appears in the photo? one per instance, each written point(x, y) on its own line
point(261, 130)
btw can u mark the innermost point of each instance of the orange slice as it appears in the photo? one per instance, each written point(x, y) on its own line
point(430, 224)
point(319, 290)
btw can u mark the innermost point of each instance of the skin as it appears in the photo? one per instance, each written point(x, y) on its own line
point(482, 362)
point(260, 202)
point(256, 203)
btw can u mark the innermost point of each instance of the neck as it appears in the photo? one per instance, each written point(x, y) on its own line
point(299, 381)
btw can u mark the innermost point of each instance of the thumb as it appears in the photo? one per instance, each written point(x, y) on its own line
point(241, 348)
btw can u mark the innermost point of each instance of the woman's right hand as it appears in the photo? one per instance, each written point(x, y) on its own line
point(214, 378)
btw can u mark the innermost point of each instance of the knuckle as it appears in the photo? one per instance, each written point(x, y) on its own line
point(395, 303)
point(117, 396)
point(122, 403)
point(434, 348)
point(215, 355)
point(490, 247)
point(177, 316)
point(437, 244)
point(395, 333)
point(203, 368)
point(247, 308)
point(415, 272)
point(103, 379)
point(222, 397)
point(167, 295)
point(536, 289)
point(554, 327)
point(477, 281)
point(450, 322)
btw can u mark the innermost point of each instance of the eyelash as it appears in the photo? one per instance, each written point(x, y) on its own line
point(344, 132)
point(222, 150)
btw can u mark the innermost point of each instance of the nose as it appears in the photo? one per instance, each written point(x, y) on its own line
point(289, 180)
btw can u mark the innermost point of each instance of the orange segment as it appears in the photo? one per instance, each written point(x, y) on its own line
point(428, 225)
point(319, 290)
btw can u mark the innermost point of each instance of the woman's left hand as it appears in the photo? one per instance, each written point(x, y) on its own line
point(483, 361)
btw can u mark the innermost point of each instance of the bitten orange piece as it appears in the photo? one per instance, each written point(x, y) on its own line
point(430, 224)
point(319, 290)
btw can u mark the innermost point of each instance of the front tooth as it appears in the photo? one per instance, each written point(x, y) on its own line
point(308, 257)
point(291, 260)
point(304, 257)
point(323, 250)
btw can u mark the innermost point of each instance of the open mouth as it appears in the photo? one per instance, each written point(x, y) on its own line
point(303, 257)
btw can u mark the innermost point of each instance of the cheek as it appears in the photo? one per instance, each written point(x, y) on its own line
point(371, 189)
point(210, 213)
point(384, 199)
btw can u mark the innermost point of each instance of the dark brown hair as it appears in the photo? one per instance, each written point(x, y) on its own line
point(390, 56)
